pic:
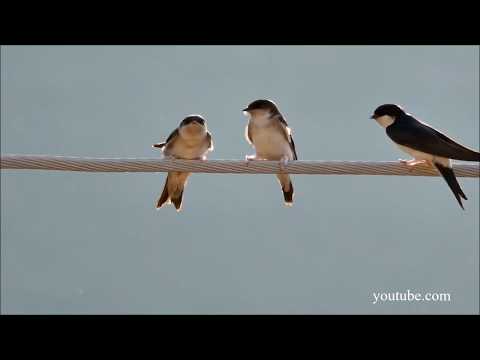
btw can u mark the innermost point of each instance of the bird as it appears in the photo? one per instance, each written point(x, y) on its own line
point(191, 140)
point(268, 132)
point(425, 144)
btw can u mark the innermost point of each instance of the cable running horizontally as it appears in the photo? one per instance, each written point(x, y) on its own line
point(314, 167)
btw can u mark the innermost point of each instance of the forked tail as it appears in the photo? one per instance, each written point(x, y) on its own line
point(452, 182)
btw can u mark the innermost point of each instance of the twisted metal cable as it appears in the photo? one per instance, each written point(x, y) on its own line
point(313, 167)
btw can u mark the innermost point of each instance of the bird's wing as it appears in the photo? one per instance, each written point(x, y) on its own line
point(210, 141)
point(292, 145)
point(170, 138)
point(422, 137)
point(288, 135)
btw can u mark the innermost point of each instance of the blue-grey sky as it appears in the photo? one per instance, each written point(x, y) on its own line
point(92, 243)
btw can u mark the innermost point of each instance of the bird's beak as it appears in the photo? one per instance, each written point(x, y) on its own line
point(372, 117)
point(246, 109)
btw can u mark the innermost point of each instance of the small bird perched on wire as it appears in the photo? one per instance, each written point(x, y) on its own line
point(425, 144)
point(190, 141)
point(268, 132)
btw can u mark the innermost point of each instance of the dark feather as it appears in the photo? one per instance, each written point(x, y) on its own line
point(408, 131)
point(210, 141)
point(170, 138)
point(292, 146)
point(288, 195)
point(177, 201)
point(288, 136)
point(282, 119)
point(452, 182)
point(173, 135)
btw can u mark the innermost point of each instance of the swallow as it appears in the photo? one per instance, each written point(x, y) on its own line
point(268, 132)
point(190, 141)
point(426, 144)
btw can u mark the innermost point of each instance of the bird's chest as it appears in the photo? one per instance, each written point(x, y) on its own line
point(192, 149)
point(269, 142)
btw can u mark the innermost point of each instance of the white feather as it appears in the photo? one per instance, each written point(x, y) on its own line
point(420, 155)
point(268, 140)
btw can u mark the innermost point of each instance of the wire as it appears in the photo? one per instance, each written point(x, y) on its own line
point(313, 167)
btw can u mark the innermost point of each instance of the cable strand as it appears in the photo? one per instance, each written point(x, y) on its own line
point(307, 167)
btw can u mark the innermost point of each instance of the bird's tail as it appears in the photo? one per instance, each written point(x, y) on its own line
point(173, 190)
point(452, 182)
point(287, 188)
point(165, 197)
point(177, 200)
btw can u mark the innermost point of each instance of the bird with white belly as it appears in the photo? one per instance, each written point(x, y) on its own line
point(268, 132)
point(425, 144)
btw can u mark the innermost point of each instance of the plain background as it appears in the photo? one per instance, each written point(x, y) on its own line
point(80, 243)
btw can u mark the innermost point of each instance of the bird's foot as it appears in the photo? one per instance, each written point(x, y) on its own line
point(249, 158)
point(412, 163)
